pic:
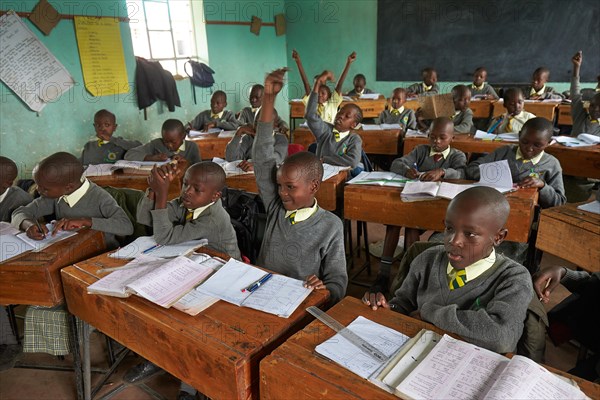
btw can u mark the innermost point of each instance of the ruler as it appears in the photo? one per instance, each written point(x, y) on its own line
point(352, 337)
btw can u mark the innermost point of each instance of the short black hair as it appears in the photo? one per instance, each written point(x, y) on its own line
point(218, 93)
point(358, 117)
point(480, 69)
point(360, 76)
point(508, 93)
point(210, 172)
point(257, 86)
point(490, 198)
point(8, 169)
point(173, 125)
point(60, 168)
point(307, 163)
point(459, 90)
point(427, 71)
point(105, 113)
point(541, 70)
point(539, 124)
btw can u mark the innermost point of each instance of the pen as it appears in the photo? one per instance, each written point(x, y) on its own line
point(498, 122)
point(415, 165)
point(251, 288)
point(545, 287)
point(37, 224)
point(150, 249)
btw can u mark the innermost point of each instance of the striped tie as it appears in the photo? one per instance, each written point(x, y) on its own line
point(509, 126)
point(102, 142)
point(336, 135)
point(395, 112)
point(292, 218)
point(189, 215)
point(320, 109)
point(437, 157)
point(214, 116)
point(458, 278)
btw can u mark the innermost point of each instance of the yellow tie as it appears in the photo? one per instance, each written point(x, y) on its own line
point(593, 121)
point(458, 278)
point(214, 116)
point(320, 109)
point(395, 111)
point(336, 135)
point(292, 218)
point(533, 92)
point(102, 142)
point(189, 215)
point(509, 125)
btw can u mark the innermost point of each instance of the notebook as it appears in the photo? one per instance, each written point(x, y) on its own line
point(194, 134)
point(329, 171)
point(582, 140)
point(12, 245)
point(380, 178)
point(146, 245)
point(507, 137)
point(231, 167)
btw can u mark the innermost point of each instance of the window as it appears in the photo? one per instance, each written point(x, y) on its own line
point(164, 31)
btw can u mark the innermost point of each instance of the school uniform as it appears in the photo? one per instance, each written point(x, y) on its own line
point(511, 123)
point(188, 150)
point(403, 116)
point(248, 116)
point(488, 310)
point(225, 120)
point(177, 224)
point(422, 88)
point(546, 92)
point(451, 160)
point(12, 198)
point(309, 241)
point(484, 89)
point(336, 148)
point(329, 109)
point(354, 93)
point(98, 151)
point(240, 148)
point(544, 166)
point(463, 121)
point(582, 122)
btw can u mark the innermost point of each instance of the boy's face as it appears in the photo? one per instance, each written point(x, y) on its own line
point(173, 139)
point(359, 84)
point(441, 137)
point(430, 78)
point(256, 95)
point(48, 187)
point(197, 190)
point(532, 142)
point(471, 232)
point(539, 80)
point(105, 126)
point(345, 119)
point(479, 77)
point(514, 104)
point(217, 103)
point(5, 183)
point(295, 190)
point(463, 101)
point(594, 109)
point(323, 94)
point(398, 98)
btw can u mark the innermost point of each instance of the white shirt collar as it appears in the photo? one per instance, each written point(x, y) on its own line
point(534, 160)
point(478, 267)
point(303, 214)
point(198, 211)
point(219, 115)
point(444, 153)
point(3, 195)
point(73, 198)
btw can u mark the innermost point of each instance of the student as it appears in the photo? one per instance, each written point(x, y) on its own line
point(360, 83)
point(301, 239)
point(106, 148)
point(463, 115)
point(172, 144)
point(216, 116)
point(73, 200)
point(397, 113)
point(538, 89)
point(336, 145)
point(583, 121)
point(328, 102)
point(248, 114)
point(11, 197)
point(529, 164)
point(428, 86)
point(515, 117)
point(465, 287)
point(480, 87)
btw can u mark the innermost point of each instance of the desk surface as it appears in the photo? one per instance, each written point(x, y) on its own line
point(538, 108)
point(383, 205)
point(370, 108)
point(571, 234)
point(211, 145)
point(575, 161)
point(34, 278)
point(480, 108)
point(296, 361)
point(137, 181)
point(217, 351)
point(373, 142)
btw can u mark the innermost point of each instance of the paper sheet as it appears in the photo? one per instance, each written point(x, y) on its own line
point(227, 283)
point(193, 134)
point(115, 283)
point(11, 246)
point(371, 127)
point(144, 243)
point(380, 178)
point(593, 207)
point(330, 171)
point(369, 96)
point(280, 296)
point(7, 229)
point(415, 133)
point(496, 174)
point(39, 245)
point(99, 170)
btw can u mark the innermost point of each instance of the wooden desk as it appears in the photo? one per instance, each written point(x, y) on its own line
point(211, 145)
point(329, 195)
point(480, 108)
point(374, 142)
point(564, 115)
point(296, 371)
point(218, 351)
point(383, 205)
point(571, 234)
point(575, 161)
point(139, 181)
point(370, 108)
point(539, 108)
point(34, 278)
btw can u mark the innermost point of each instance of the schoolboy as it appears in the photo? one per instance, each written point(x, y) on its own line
point(397, 113)
point(465, 287)
point(360, 83)
point(248, 114)
point(583, 121)
point(172, 144)
point(301, 239)
point(428, 86)
point(106, 148)
point(463, 115)
point(480, 87)
point(11, 197)
point(538, 89)
point(515, 117)
point(73, 200)
point(216, 116)
point(529, 164)
point(336, 144)
point(328, 102)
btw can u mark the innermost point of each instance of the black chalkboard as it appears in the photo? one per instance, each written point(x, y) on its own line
point(511, 38)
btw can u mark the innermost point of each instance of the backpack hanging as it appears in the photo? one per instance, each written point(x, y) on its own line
point(202, 75)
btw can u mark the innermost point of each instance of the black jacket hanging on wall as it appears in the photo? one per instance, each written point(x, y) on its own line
point(153, 83)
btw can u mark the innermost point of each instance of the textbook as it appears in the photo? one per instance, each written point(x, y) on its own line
point(415, 133)
point(380, 178)
point(380, 127)
point(506, 137)
point(146, 245)
point(11, 244)
point(194, 302)
point(278, 294)
point(132, 167)
point(231, 167)
point(582, 140)
point(194, 134)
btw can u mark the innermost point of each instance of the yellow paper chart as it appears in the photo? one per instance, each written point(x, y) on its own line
point(101, 55)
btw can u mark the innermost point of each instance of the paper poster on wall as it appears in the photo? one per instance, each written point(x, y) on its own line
point(101, 54)
point(27, 67)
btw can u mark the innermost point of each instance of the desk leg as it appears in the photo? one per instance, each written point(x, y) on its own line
point(85, 352)
point(76, 356)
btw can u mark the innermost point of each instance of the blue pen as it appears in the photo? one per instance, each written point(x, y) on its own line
point(415, 165)
point(150, 249)
point(493, 127)
point(251, 288)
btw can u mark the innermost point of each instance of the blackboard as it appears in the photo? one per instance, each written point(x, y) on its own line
point(511, 38)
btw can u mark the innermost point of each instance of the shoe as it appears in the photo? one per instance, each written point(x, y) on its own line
point(140, 372)
point(9, 353)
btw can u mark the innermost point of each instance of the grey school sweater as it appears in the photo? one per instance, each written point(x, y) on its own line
point(549, 93)
point(170, 227)
point(353, 93)
point(156, 146)
point(347, 152)
point(247, 117)
point(548, 169)
point(240, 148)
point(453, 166)
point(417, 88)
point(314, 246)
point(582, 123)
point(15, 198)
point(463, 121)
point(406, 118)
point(108, 153)
point(226, 122)
point(487, 89)
point(488, 311)
point(96, 204)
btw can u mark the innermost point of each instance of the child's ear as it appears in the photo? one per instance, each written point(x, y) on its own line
point(116, 126)
point(217, 195)
point(315, 184)
point(500, 236)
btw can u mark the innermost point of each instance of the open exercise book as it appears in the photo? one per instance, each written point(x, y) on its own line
point(582, 140)
point(430, 367)
point(506, 137)
point(329, 171)
point(231, 167)
point(130, 167)
point(14, 242)
point(380, 178)
point(380, 127)
point(280, 295)
point(146, 245)
point(495, 174)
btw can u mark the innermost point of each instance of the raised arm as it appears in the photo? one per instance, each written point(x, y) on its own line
point(305, 82)
point(350, 60)
point(577, 60)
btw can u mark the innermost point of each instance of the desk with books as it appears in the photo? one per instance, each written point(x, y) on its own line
point(383, 205)
point(480, 108)
point(370, 108)
point(218, 351)
point(385, 141)
point(296, 360)
point(211, 145)
point(571, 234)
point(120, 179)
point(538, 108)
